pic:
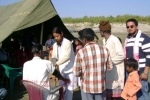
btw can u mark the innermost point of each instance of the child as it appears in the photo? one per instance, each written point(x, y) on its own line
point(49, 42)
point(132, 85)
point(78, 44)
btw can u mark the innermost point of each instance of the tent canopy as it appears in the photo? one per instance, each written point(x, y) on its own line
point(27, 15)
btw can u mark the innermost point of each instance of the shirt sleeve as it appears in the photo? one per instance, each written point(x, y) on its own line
point(146, 49)
point(119, 52)
point(25, 72)
point(67, 54)
point(77, 65)
point(109, 63)
point(137, 86)
point(50, 67)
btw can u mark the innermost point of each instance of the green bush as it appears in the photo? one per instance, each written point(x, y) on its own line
point(97, 19)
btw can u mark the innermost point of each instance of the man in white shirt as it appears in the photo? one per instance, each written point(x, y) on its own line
point(37, 70)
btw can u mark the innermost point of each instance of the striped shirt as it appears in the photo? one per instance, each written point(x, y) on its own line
point(92, 61)
point(144, 50)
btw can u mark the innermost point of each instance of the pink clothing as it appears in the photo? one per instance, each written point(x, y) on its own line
point(132, 85)
point(78, 47)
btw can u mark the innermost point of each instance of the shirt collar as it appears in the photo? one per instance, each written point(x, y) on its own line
point(89, 43)
point(36, 57)
point(134, 72)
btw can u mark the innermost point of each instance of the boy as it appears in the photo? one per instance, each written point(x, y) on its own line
point(132, 85)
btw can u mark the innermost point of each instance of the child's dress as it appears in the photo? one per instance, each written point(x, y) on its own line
point(77, 49)
point(132, 86)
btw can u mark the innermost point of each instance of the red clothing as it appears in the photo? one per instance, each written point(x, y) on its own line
point(92, 62)
point(132, 85)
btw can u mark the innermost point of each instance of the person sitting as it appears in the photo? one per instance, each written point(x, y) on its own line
point(37, 70)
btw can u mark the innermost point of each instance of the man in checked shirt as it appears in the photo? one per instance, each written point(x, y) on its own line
point(91, 63)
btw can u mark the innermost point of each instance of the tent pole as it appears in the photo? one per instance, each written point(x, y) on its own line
point(41, 37)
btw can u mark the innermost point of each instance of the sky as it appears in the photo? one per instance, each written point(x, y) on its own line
point(81, 8)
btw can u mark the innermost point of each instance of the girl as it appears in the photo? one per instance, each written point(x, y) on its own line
point(78, 44)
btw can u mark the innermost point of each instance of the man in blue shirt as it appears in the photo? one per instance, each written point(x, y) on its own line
point(137, 46)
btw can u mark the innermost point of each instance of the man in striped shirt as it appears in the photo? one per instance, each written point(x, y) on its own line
point(137, 45)
point(91, 63)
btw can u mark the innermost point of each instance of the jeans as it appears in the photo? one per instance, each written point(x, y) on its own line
point(3, 93)
point(93, 96)
point(142, 94)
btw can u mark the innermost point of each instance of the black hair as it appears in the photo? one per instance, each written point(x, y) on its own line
point(132, 20)
point(132, 63)
point(36, 48)
point(76, 39)
point(87, 33)
point(57, 30)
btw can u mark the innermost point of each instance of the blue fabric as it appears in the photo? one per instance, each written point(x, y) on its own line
point(142, 54)
point(3, 93)
point(143, 93)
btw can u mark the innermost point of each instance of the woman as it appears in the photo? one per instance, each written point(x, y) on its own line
point(63, 52)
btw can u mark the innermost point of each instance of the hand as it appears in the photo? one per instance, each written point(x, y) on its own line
point(55, 65)
point(143, 76)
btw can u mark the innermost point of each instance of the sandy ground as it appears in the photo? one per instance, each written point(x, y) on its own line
point(116, 27)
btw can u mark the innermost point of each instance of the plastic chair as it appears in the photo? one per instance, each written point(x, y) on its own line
point(12, 74)
point(36, 92)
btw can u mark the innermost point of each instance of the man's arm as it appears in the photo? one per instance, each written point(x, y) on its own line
point(119, 58)
point(77, 70)
point(109, 63)
point(51, 69)
point(59, 76)
point(146, 51)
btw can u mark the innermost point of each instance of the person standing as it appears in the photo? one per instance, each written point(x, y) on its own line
point(91, 63)
point(133, 84)
point(63, 52)
point(115, 77)
point(137, 46)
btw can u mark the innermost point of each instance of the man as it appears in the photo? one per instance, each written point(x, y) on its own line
point(38, 70)
point(63, 52)
point(115, 77)
point(137, 46)
point(91, 63)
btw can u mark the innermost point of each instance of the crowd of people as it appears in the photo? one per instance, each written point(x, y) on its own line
point(108, 72)
point(103, 72)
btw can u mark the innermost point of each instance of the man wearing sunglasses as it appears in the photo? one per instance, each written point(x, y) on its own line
point(137, 46)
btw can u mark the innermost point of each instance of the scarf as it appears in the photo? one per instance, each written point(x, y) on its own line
point(135, 47)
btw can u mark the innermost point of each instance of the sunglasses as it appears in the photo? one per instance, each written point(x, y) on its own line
point(130, 26)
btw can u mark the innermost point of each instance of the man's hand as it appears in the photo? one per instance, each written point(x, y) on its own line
point(143, 76)
point(56, 66)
